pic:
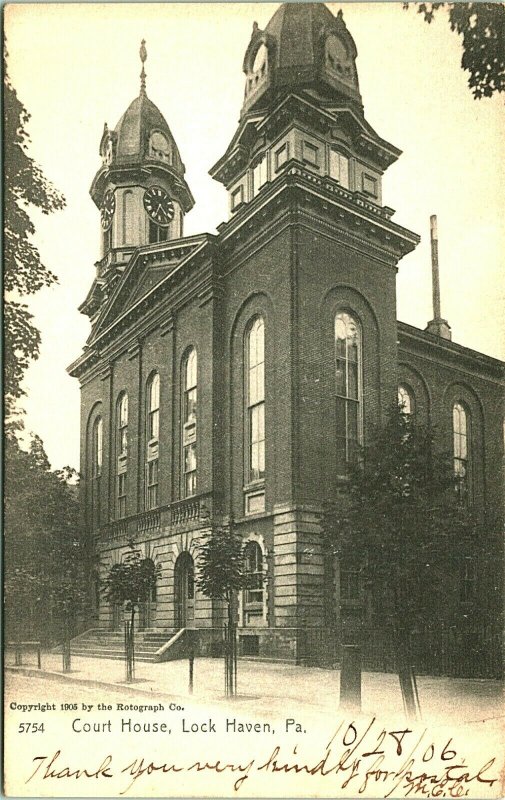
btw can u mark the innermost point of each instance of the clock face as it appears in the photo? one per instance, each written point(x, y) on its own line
point(158, 205)
point(107, 210)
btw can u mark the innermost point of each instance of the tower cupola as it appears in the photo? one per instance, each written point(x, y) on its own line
point(140, 187)
point(302, 110)
point(302, 46)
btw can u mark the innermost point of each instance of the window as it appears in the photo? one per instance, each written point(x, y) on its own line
point(461, 451)
point(189, 410)
point(255, 400)
point(260, 175)
point(157, 233)
point(349, 584)
point(97, 460)
point(369, 185)
point(281, 155)
point(152, 443)
point(237, 197)
point(122, 454)
point(311, 153)
point(348, 390)
point(253, 560)
point(339, 168)
point(467, 586)
point(405, 400)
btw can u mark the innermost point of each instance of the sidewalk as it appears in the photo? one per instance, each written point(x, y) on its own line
point(269, 688)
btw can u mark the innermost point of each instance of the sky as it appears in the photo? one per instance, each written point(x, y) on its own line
point(77, 66)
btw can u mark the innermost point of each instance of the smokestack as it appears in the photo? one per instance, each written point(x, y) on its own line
point(437, 326)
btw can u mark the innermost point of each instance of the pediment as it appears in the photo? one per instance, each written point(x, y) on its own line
point(147, 268)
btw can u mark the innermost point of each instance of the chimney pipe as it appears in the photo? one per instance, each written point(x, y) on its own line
point(435, 278)
point(437, 326)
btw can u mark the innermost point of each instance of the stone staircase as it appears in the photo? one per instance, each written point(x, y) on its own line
point(101, 643)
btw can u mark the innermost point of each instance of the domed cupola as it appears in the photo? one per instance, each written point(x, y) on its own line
point(302, 113)
point(303, 47)
point(140, 188)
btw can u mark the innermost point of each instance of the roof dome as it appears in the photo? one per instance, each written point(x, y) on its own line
point(303, 45)
point(135, 129)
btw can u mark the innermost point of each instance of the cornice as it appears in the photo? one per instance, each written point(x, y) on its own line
point(478, 364)
point(368, 223)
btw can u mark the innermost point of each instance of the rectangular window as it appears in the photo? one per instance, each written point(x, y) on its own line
point(467, 593)
point(152, 484)
point(121, 494)
point(281, 155)
point(237, 197)
point(260, 175)
point(349, 584)
point(311, 154)
point(369, 185)
point(339, 168)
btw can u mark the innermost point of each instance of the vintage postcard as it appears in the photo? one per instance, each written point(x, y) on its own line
point(254, 451)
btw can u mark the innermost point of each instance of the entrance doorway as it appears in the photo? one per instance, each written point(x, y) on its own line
point(147, 609)
point(184, 576)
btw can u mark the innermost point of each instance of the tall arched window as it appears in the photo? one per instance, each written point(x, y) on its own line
point(461, 450)
point(96, 467)
point(253, 594)
point(405, 400)
point(152, 440)
point(189, 410)
point(122, 454)
point(348, 390)
point(255, 400)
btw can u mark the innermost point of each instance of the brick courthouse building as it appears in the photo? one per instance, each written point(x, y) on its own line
point(235, 375)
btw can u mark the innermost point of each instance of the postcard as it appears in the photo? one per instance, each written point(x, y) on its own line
point(254, 452)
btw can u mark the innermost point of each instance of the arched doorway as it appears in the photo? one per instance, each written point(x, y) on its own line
point(184, 578)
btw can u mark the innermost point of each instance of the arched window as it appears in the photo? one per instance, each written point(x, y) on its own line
point(152, 443)
point(255, 400)
point(461, 450)
point(348, 390)
point(96, 469)
point(189, 410)
point(253, 594)
point(122, 454)
point(128, 217)
point(405, 400)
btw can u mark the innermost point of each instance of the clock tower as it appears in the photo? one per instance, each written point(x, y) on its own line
point(140, 189)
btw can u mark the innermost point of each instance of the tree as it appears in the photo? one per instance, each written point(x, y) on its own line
point(24, 273)
point(222, 573)
point(482, 26)
point(46, 560)
point(402, 528)
point(129, 584)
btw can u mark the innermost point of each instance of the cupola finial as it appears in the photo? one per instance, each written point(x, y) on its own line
point(143, 56)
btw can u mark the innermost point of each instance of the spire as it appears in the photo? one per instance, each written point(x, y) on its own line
point(143, 56)
point(437, 326)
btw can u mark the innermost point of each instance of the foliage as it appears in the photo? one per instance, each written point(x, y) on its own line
point(221, 567)
point(401, 524)
point(24, 273)
point(131, 581)
point(45, 552)
point(482, 26)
